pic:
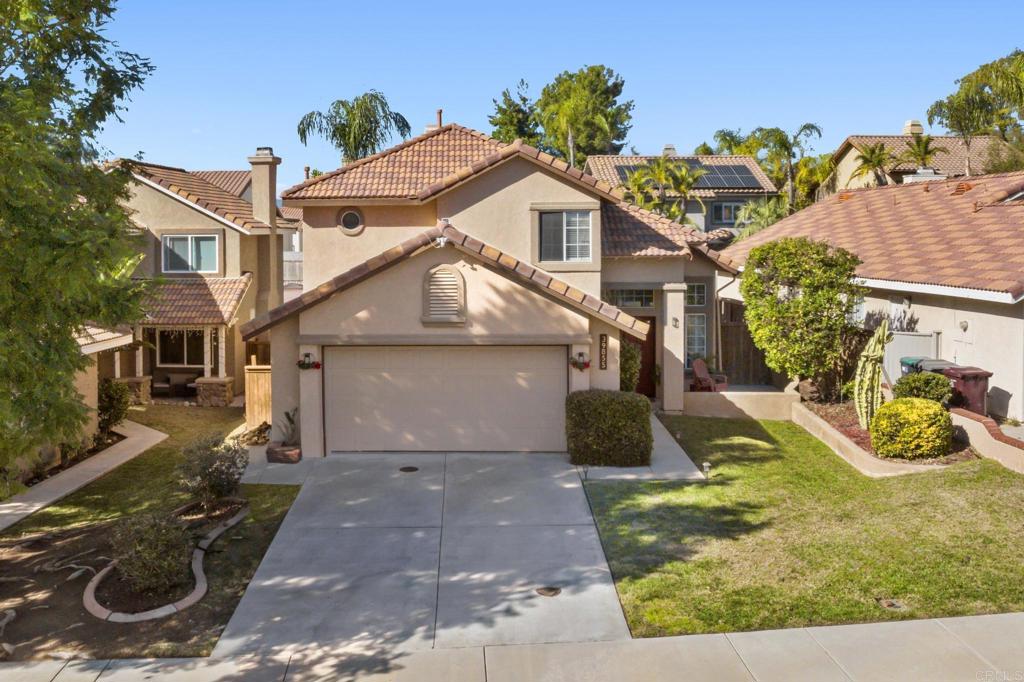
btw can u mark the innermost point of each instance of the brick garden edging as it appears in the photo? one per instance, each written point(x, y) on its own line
point(103, 613)
point(989, 440)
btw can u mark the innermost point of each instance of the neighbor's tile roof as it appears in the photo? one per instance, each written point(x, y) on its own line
point(952, 162)
point(233, 181)
point(91, 334)
point(958, 233)
point(196, 300)
point(615, 169)
point(630, 231)
point(497, 259)
point(426, 165)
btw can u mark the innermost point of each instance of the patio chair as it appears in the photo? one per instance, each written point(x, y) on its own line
point(705, 381)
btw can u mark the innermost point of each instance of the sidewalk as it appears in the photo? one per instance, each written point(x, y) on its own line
point(137, 439)
point(669, 462)
point(938, 650)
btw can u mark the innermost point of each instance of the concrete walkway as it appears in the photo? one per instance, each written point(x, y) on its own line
point(669, 462)
point(938, 650)
point(137, 439)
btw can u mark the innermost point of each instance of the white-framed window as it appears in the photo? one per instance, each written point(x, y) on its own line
point(565, 236)
point(696, 336)
point(180, 348)
point(696, 294)
point(190, 252)
point(725, 212)
point(630, 298)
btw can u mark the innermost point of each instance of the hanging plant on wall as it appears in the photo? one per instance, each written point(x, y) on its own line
point(579, 361)
point(307, 362)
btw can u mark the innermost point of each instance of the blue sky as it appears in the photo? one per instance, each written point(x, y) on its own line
point(235, 75)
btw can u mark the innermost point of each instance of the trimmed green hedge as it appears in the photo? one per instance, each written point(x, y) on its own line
point(927, 385)
point(608, 428)
point(911, 428)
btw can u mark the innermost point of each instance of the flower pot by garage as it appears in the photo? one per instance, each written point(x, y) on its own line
point(279, 453)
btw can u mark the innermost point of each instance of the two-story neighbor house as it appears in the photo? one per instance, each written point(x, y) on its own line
point(452, 297)
point(214, 238)
point(729, 182)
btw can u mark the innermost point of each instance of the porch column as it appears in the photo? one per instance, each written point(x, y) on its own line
point(673, 335)
point(222, 351)
point(138, 351)
point(117, 363)
point(207, 355)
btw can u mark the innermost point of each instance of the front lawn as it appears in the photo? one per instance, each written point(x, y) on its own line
point(787, 534)
point(50, 618)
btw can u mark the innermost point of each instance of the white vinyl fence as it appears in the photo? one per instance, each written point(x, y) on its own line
point(904, 344)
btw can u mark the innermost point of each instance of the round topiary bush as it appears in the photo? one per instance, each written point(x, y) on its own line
point(153, 552)
point(911, 428)
point(927, 385)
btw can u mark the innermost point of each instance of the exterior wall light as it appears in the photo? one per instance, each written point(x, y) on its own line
point(308, 362)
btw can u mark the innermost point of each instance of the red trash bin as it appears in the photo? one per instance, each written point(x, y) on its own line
point(970, 387)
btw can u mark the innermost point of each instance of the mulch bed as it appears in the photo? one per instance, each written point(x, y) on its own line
point(843, 416)
point(111, 439)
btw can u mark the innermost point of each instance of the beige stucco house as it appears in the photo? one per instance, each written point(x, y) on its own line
point(456, 288)
point(944, 262)
point(215, 240)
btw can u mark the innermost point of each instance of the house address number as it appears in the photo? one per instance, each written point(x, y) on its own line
point(603, 345)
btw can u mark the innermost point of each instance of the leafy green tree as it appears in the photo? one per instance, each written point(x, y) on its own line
point(812, 172)
point(358, 127)
point(515, 117)
point(921, 151)
point(649, 186)
point(67, 252)
point(704, 149)
point(581, 114)
point(967, 113)
point(755, 216)
point(800, 297)
point(783, 148)
point(874, 159)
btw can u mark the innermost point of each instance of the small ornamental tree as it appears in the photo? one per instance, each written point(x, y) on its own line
point(800, 296)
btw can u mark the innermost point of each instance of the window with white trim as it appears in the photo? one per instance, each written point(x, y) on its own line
point(696, 337)
point(180, 348)
point(696, 294)
point(189, 253)
point(630, 298)
point(444, 296)
point(565, 236)
point(725, 212)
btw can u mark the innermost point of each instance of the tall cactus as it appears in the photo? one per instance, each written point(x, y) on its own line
point(867, 390)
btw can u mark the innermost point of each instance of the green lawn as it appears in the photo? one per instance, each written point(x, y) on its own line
point(787, 534)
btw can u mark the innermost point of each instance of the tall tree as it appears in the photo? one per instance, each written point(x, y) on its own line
point(874, 159)
point(67, 252)
point(811, 173)
point(921, 152)
point(664, 185)
point(358, 127)
point(967, 113)
point(704, 149)
point(515, 117)
point(785, 148)
point(581, 114)
point(755, 216)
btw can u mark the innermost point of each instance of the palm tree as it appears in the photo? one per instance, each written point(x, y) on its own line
point(637, 189)
point(873, 158)
point(358, 127)
point(755, 216)
point(684, 180)
point(784, 148)
point(920, 151)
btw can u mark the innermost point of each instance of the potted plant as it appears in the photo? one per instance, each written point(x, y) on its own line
point(287, 450)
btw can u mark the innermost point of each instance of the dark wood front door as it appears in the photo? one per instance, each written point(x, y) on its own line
point(648, 359)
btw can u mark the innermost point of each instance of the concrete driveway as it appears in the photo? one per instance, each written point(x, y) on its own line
point(372, 558)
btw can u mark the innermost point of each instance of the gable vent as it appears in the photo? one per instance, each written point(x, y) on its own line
point(962, 188)
point(444, 296)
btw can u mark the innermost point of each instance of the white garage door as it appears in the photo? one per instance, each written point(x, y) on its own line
point(445, 398)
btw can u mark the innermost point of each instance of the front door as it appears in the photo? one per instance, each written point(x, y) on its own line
point(648, 360)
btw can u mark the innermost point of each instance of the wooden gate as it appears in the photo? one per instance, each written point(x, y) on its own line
point(742, 361)
point(257, 395)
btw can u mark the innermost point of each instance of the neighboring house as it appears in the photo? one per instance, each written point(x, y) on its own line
point(450, 282)
point(951, 163)
point(943, 259)
point(729, 182)
point(100, 346)
point(214, 238)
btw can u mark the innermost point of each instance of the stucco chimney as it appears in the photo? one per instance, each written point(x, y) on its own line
point(438, 122)
point(913, 127)
point(264, 209)
point(669, 150)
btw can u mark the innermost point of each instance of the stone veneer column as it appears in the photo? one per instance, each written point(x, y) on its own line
point(215, 391)
point(141, 388)
point(673, 340)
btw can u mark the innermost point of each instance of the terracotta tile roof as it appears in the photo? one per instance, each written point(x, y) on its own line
point(614, 169)
point(232, 181)
point(292, 214)
point(91, 334)
point(958, 233)
point(630, 231)
point(429, 164)
point(196, 300)
point(509, 265)
point(951, 163)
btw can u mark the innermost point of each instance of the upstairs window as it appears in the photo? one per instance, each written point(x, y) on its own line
point(565, 236)
point(696, 294)
point(630, 298)
point(725, 212)
point(444, 296)
point(190, 253)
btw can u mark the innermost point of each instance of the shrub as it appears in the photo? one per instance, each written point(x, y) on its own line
point(212, 468)
point(629, 365)
point(152, 552)
point(114, 400)
point(848, 389)
point(608, 428)
point(913, 428)
point(927, 385)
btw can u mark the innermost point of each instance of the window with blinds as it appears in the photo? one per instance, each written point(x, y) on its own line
point(444, 296)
